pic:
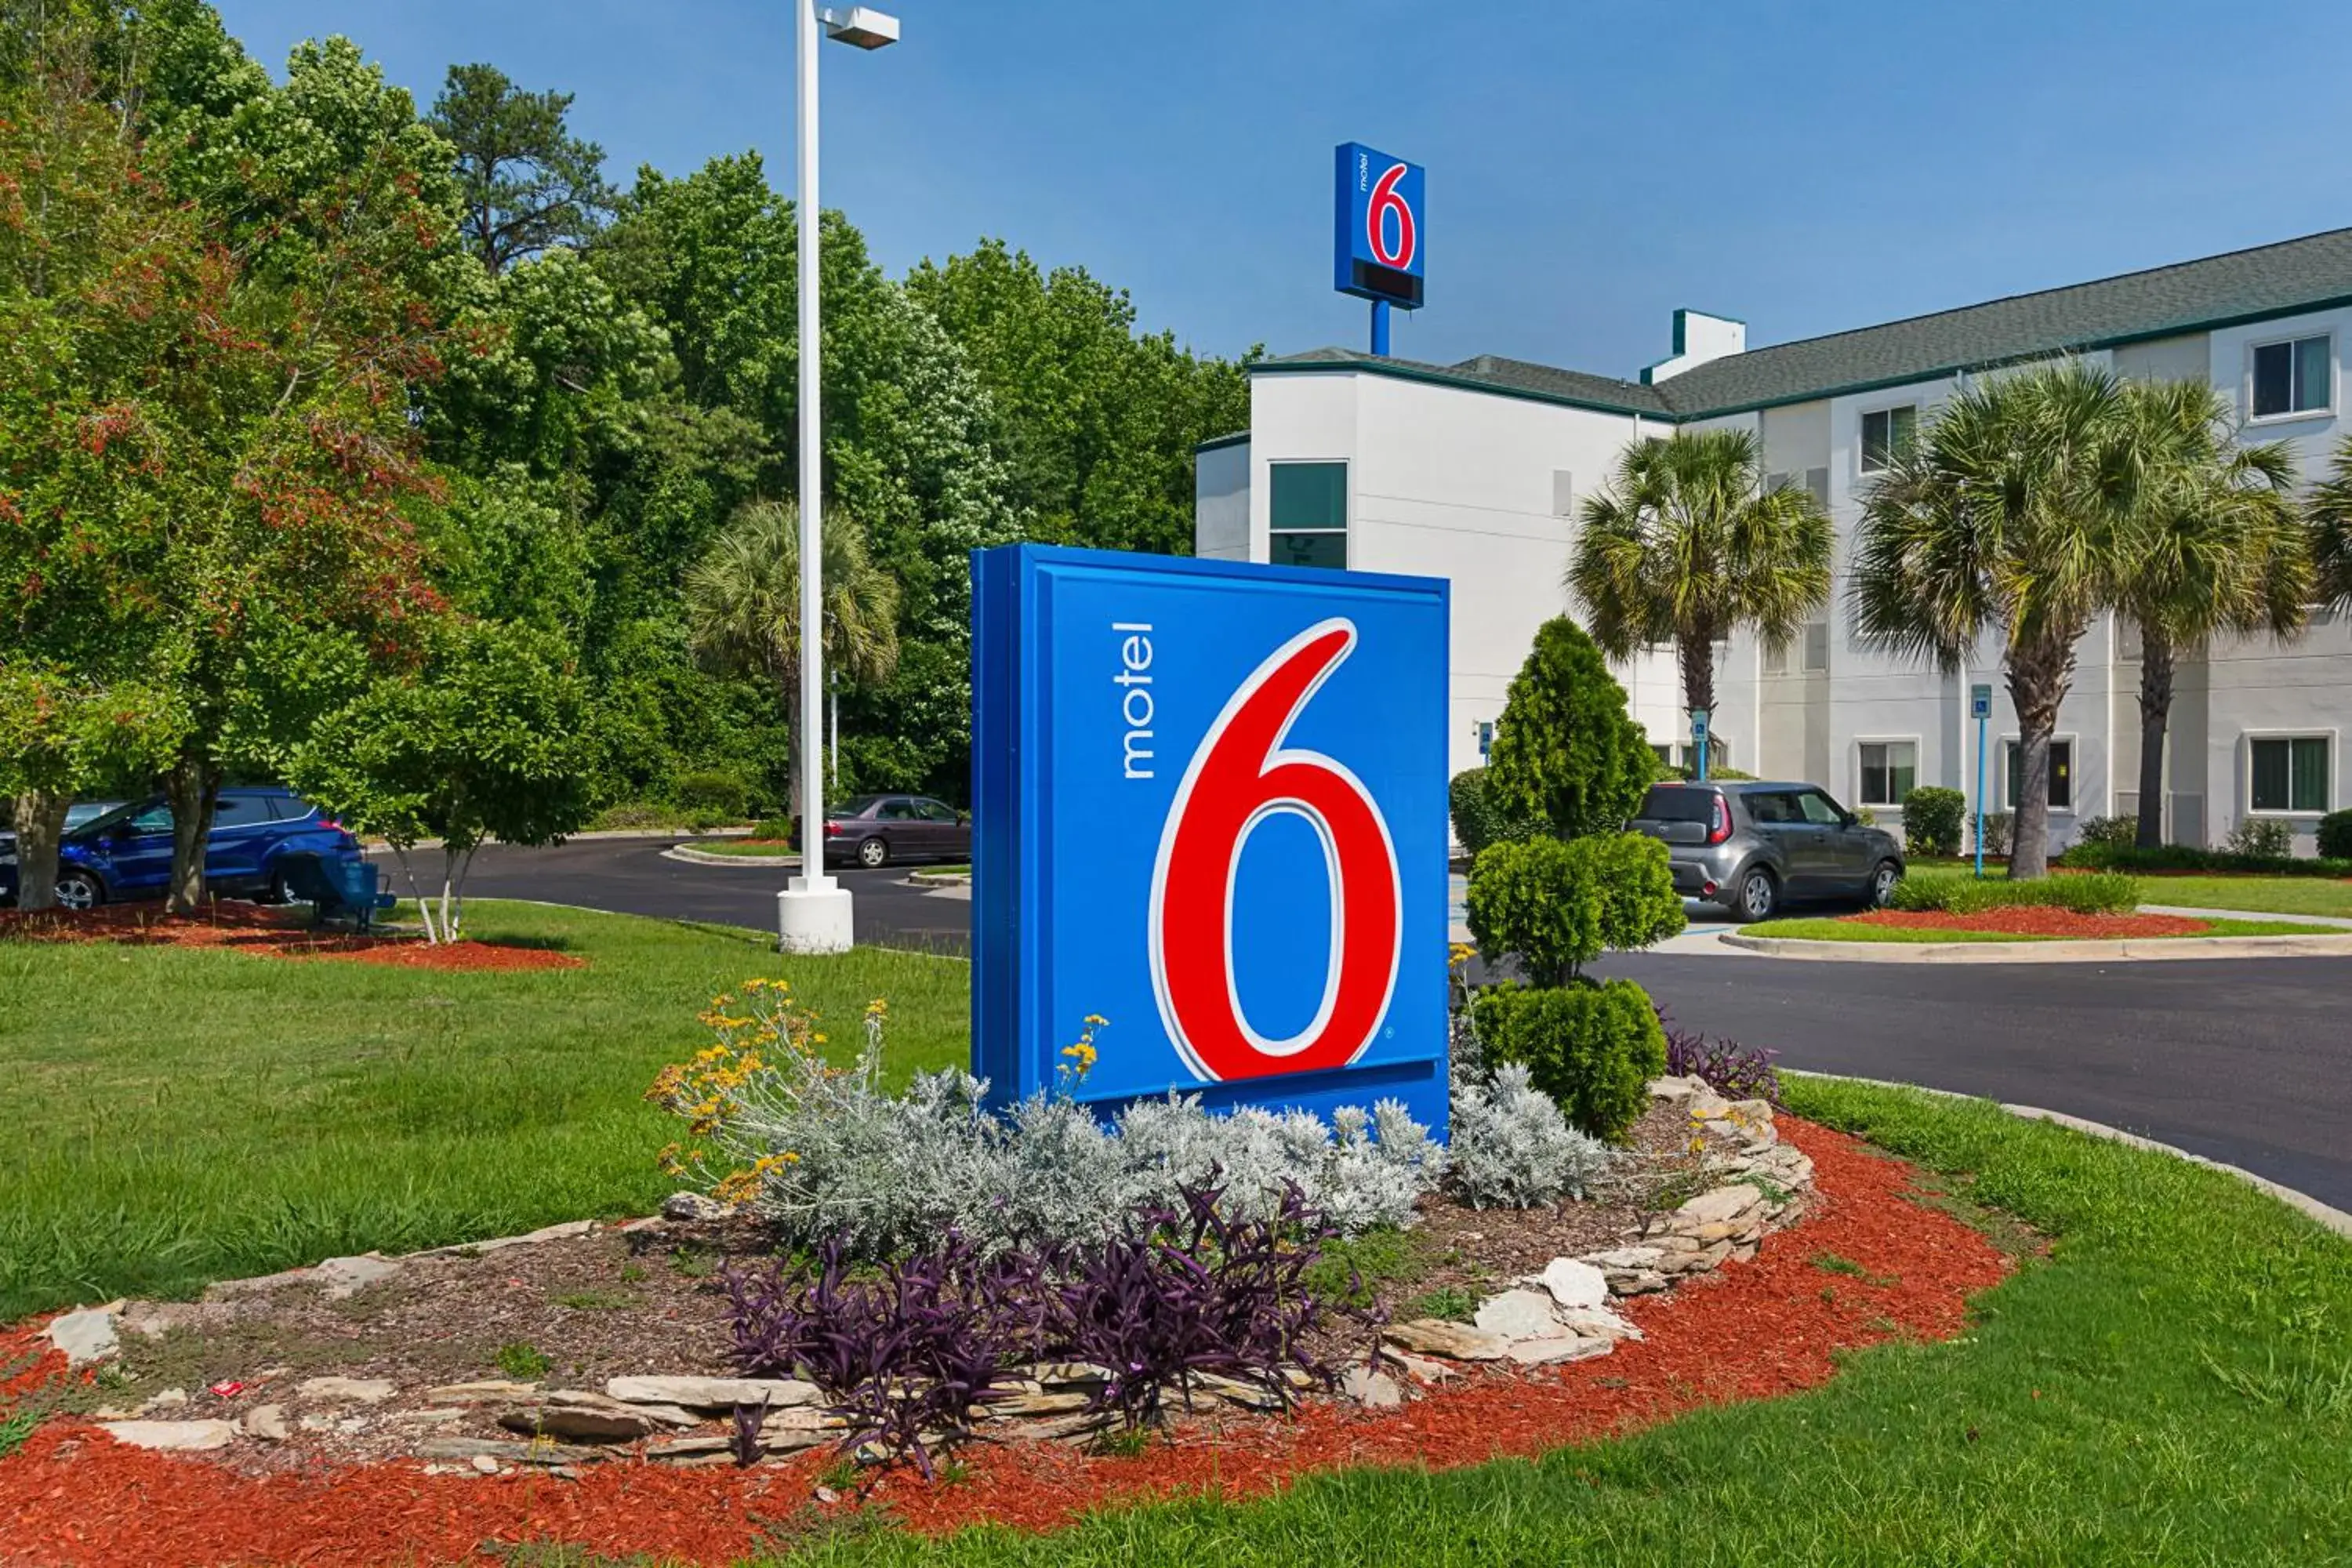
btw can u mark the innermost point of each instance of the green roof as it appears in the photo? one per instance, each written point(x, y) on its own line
point(2282, 280)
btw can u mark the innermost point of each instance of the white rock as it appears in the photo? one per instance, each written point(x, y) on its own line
point(1573, 1283)
point(1374, 1390)
point(1418, 1368)
point(341, 1278)
point(85, 1336)
point(712, 1393)
point(485, 1463)
point(1458, 1342)
point(1598, 1323)
point(1673, 1088)
point(1519, 1315)
point(485, 1392)
point(266, 1422)
point(1719, 1206)
point(694, 1206)
point(173, 1436)
point(170, 1399)
point(1624, 1257)
point(1569, 1347)
point(349, 1390)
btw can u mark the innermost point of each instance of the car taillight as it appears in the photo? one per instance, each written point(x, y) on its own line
point(1721, 829)
point(832, 830)
point(329, 825)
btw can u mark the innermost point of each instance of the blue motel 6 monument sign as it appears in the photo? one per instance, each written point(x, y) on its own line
point(1210, 800)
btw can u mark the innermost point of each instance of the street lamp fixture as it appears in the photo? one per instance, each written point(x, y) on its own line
point(812, 912)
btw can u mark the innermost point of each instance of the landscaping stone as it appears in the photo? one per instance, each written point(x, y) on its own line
point(489, 1390)
point(673, 1450)
point(1519, 1315)
point(484, 1465)
point(1457, 1342)
point(85, 1336)
point(259, 1285)
point(1573, 1283)
point(578, 1423)
point(1372, 1390)
point(471, 1448)
point(169, 1399)
point(1597, 1322)
point(1040, 1404)
point(173, 1436)
point(1420, 1369)
point(1234, 1391)
point(266, 1422)
point(694, 1206)
point(347, 1390)
point(341, 1277)
point(1717, 1206)
point(1056, 1374)
point(447, 1415)
point(712, 1393)
point(1565, 1348)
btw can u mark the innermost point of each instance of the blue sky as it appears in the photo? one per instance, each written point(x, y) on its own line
point(1805, 167)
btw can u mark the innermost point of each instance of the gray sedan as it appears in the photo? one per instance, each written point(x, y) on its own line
point(1752, 848)
point(873, 830)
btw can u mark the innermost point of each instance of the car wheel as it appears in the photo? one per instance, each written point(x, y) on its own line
point(1758, 897)
point(873, 854)
point(78, 891)
point(1883, 882)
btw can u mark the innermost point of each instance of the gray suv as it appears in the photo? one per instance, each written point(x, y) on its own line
point(1752, 848)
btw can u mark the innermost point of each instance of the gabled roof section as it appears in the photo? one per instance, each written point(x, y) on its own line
point(2282, 280)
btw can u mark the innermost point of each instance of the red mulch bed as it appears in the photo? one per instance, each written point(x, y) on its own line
point(71, 1498)
point(2039, 920)
point(270, 932)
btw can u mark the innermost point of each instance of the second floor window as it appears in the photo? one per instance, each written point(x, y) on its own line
point(1886, 435)
point(2292, 377)
point(1307, 514)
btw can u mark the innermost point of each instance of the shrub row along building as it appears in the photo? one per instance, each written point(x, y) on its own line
point(1473, 472)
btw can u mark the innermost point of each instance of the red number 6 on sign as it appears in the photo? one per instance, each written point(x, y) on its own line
point(1241, 776)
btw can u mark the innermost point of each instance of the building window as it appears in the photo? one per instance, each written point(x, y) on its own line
point(1563, 493)
point(1886, 435)
point(1889, 770)
point(1817, 645)
point(2290, 772)
point(2292, 377)
point(1308, 514)
point(2061, 774)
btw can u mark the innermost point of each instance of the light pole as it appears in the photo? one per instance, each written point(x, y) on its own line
point(812, 912)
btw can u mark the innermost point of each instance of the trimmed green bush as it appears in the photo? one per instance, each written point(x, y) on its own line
point(2336, 835)
point(2092, 893)
point(711, 794)
point(1479, 818)
point(1594, 1047)
point(1560, 905)
point(1932, 820)
point(1565, 752)
point(2113, 832)
point(2262, 838)
point(1996, 832)
point(2187, 858)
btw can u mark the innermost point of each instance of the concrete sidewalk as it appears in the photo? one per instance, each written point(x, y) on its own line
point(2335, 921)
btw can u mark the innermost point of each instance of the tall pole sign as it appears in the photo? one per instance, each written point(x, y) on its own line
point(1378, 229)
point(1698, 740)
point(1980, 709)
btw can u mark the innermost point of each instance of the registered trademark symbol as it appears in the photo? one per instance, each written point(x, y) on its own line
point(1388, 1033)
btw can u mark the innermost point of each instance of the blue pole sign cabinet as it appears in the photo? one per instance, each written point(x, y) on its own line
point(1209, 801)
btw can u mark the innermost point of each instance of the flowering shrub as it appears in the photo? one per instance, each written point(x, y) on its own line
point(1513, 1149)
point(828, 1156)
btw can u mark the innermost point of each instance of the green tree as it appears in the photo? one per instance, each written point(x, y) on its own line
point(1687, 543)
point(529, 184)
point(2007, 515)
point(1565, 752)
point(2216, 548)
point(743, 605)
point(490, 738)
point(2330, 519)
point(1097, 421)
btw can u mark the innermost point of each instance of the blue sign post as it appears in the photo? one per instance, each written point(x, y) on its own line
point(1209, 806)
point(1698, 740)
point(1377, 215)
point(1980, 709)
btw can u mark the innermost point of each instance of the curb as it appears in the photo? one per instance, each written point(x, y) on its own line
point(2325, 1215)
point(2331, 945)
point(375, 845)
point(940, 879)
point(704, 858)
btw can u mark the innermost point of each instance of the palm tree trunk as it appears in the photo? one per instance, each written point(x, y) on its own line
point(191, 788)
point(40, 817)
point(2156, 665)
point(2038, 678)
point(1695, 649)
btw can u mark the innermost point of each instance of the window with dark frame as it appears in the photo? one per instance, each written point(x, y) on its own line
point(2289, 773)
point(1889, 770)
point(2292, 377)
point(1886, 435)
point(1307, 514)
point(2061, 774)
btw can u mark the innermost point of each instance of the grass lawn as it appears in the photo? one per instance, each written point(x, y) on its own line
point(1820, 930)
point(2174, 1386)
point(748, 849)
point(182, 1116)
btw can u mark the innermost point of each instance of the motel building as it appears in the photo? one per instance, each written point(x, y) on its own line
point(1473, 472)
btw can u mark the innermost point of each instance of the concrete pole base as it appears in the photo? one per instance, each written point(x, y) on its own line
point(814, 918)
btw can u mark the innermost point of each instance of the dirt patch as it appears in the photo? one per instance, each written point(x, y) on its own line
point(72, 1498)
point(2038, 921)
point(270, 933)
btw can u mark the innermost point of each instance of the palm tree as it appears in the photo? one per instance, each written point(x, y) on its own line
point(2215, 548)
point(743, 605)
point(2330, 519)
point(2005, 515)
point(1687, 543)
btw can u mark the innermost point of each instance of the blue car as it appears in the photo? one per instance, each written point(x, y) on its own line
point(126, 853)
